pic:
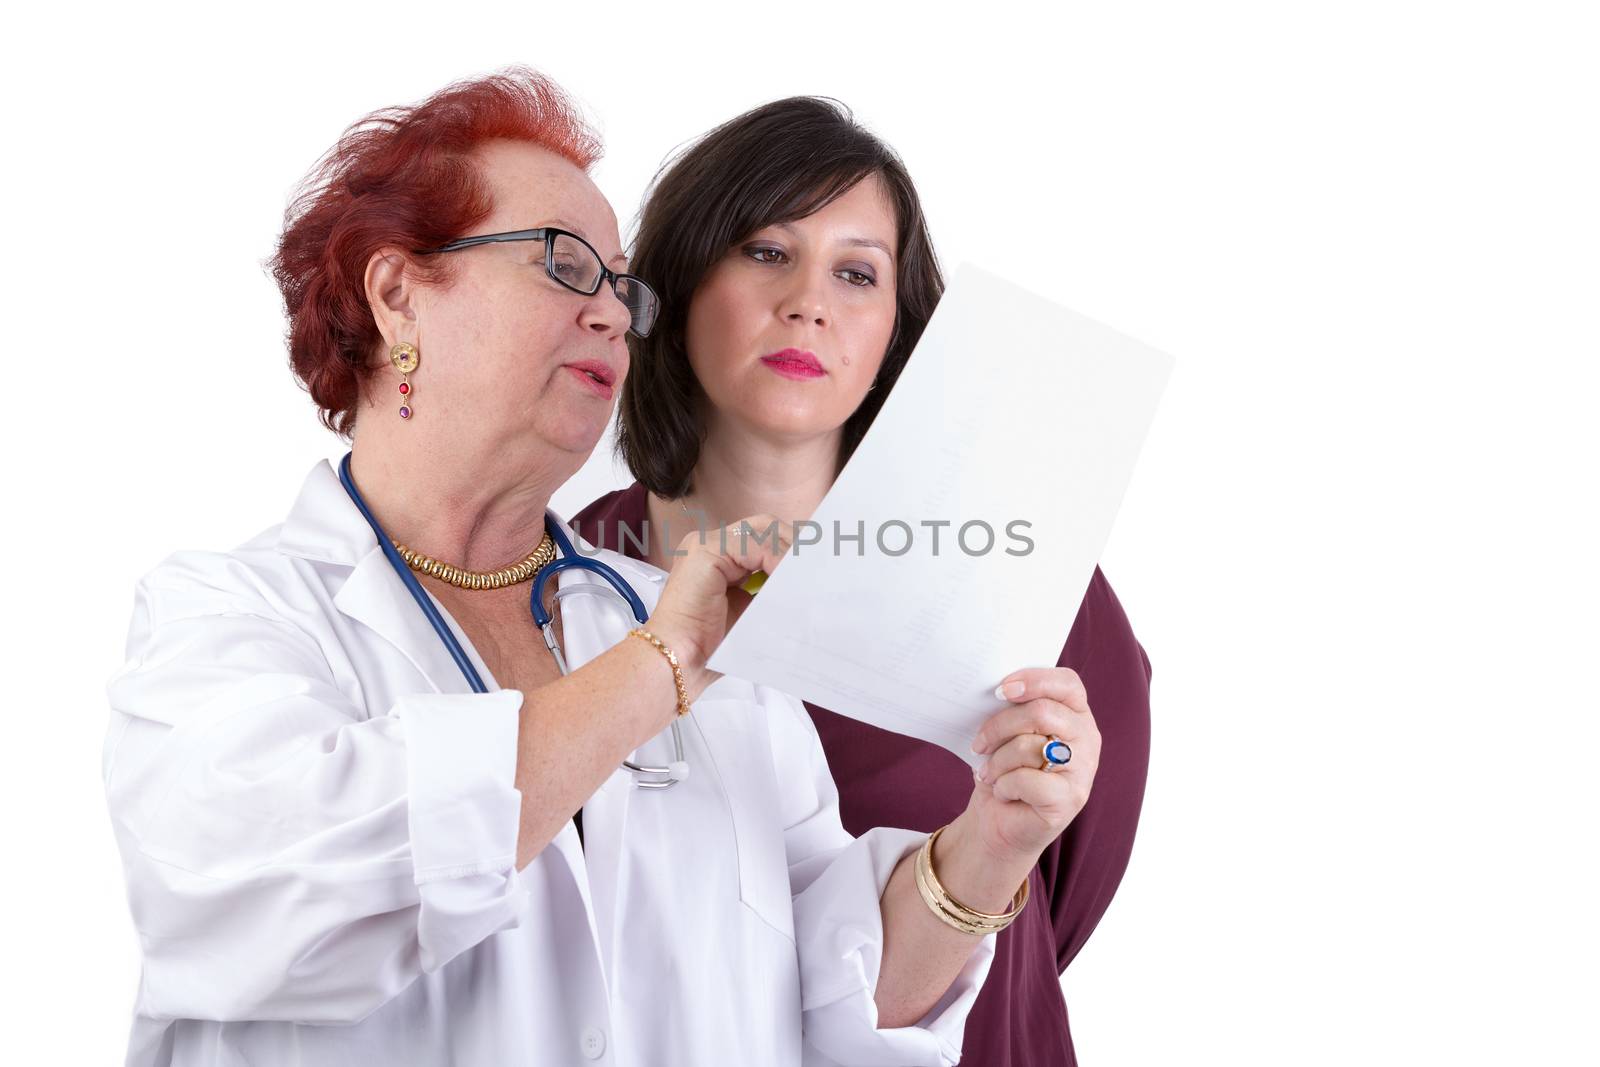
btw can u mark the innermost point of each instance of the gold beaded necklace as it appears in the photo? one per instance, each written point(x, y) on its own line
point(461, 578)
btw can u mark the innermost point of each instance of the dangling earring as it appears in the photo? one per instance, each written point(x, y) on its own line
point(404, 358)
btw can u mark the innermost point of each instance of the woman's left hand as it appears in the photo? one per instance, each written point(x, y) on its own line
point(1017, 808)
point(988, 853)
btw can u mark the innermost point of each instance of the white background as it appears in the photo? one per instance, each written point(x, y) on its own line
point(1360, 547)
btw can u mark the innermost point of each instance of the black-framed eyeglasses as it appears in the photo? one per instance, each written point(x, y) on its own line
point(573, 263)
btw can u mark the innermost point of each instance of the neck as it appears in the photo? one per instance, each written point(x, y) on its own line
point(739, 474)
point(466, 507)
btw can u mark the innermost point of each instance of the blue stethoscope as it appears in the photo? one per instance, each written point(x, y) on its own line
point(644, 777)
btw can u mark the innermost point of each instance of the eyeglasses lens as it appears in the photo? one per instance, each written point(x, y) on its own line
point(641, 302)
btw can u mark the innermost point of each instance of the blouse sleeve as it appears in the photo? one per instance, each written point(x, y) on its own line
point(1084, 867)
point(837, 882)
point(289, 857)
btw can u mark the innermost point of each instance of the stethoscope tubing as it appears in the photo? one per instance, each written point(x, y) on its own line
point(413, 586)
point(569, 560)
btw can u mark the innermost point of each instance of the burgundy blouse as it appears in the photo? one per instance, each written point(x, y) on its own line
point(887, 779)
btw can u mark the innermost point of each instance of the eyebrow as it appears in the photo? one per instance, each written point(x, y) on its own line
point(863, 242)
point(568, 224)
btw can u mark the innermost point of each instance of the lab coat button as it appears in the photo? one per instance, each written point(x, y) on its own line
point(593, 1043)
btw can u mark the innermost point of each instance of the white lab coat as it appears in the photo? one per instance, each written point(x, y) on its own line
point(318, 822)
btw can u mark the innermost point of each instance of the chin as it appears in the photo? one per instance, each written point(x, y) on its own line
point(582, 444)
point(575, 432)
point(790, 419)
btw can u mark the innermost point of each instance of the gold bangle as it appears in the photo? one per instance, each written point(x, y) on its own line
point(672, 658)
point(951, 911)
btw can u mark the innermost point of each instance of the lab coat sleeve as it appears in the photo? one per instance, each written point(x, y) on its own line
point(837, 882)
point(289, 857)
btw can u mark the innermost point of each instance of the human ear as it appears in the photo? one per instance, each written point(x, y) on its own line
point(390, 289)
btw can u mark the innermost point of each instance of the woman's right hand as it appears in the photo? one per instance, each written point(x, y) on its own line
point(699, 601)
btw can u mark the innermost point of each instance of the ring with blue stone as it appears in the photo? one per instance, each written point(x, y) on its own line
point(1056, 752)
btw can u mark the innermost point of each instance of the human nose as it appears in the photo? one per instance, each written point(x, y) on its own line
point(806, 299)
point(604, 312)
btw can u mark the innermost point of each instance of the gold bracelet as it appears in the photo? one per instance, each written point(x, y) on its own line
point(672, 658)
point(951, 911)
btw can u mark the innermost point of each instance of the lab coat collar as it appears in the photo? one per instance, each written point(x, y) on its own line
point(324, 524)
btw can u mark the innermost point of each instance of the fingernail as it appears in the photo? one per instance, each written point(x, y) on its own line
point(983, 773)
point(977, 745)
point(1008, 690)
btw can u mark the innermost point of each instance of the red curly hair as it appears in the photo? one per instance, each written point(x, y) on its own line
point(401, 176)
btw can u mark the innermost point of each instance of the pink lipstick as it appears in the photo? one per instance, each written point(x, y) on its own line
point(595, 376)
point(795, 363)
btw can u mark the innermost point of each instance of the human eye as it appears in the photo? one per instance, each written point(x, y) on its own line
point(566, 267)
point(765, 253)
point(861, 279)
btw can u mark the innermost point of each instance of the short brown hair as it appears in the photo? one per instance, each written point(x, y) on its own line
point(777, 163)
point(400, 176)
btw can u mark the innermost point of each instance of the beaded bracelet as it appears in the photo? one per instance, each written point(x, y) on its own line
point(672, 658)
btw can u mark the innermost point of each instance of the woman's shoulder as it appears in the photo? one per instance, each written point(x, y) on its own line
point(1100, 609)
point(603, 522)
point(220, 574)
point(278, 572)
point(1102, 636)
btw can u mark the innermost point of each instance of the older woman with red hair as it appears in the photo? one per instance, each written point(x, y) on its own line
point(368, 816)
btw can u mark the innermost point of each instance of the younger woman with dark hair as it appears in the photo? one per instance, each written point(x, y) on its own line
point(796, 275)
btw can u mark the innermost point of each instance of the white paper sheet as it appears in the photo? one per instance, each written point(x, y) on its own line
point(1011, 409)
